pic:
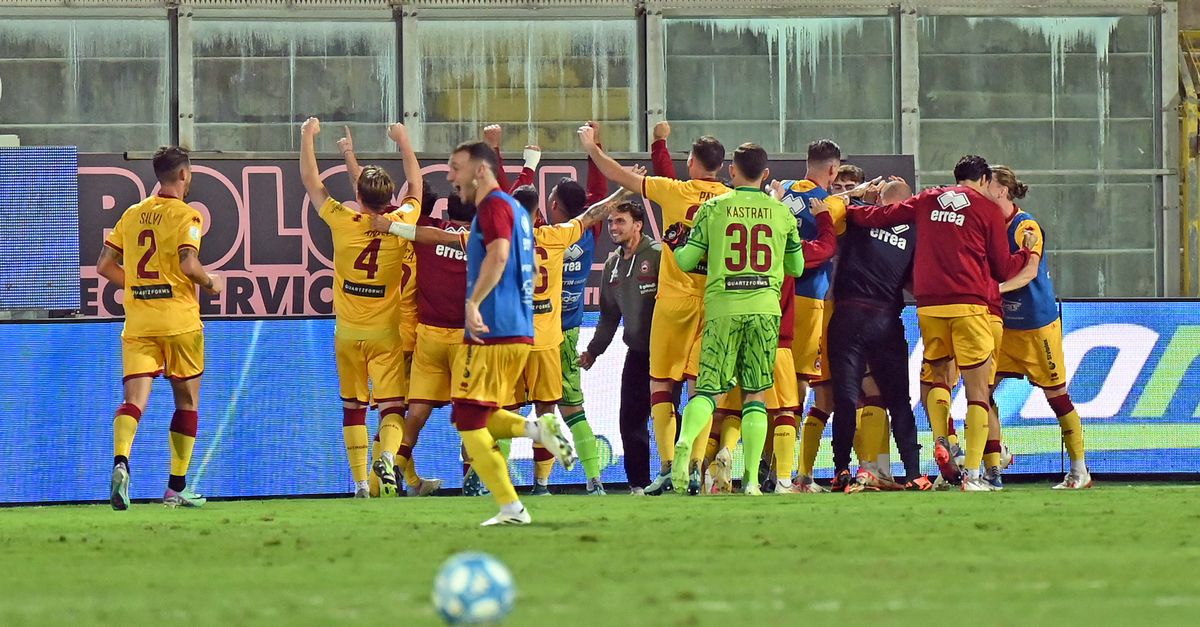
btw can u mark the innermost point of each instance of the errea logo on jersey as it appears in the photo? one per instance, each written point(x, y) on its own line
point(951, 202)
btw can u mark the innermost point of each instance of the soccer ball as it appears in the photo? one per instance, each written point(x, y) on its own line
point(473, 588)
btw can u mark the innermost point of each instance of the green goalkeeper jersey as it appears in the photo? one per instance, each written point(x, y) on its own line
point(750, 240)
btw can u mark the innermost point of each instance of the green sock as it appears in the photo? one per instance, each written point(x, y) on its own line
point(585, 444)
point(696, 414)
point(754, 437)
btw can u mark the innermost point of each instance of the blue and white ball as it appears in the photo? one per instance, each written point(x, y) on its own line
point(473, 588)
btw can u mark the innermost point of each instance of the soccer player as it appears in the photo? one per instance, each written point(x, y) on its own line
point(1032, 345)
point(627, 292)
point(367, 269)
point(961, 247)
point(416, 486)
point(493, 134)
point(848, 177)
point(750, 240)
point(678, 314)
point(163, 333)
point(577, 267)
point(541, 381)
point(498, 318)
point(808, 345)
point(865, 331)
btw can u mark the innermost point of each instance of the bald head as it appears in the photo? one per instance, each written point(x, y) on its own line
point(894, 192)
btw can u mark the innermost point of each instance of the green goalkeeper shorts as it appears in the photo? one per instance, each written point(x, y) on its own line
point(738, 350)
point(568, 352)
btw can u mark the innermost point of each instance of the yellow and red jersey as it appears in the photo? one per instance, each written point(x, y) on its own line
point(159, 298)
point(550, 246)
point(367, 271)
point(679, 200)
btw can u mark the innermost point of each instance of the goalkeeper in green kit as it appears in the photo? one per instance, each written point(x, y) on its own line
point(749, 240)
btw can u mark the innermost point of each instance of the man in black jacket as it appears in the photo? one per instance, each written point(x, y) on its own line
point(627, 291)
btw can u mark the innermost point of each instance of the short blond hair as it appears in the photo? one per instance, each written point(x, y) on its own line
point(375, 187)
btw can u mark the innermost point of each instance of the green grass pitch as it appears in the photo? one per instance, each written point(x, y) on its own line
point(1114, 555)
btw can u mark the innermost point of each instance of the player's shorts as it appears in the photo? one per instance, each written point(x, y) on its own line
point(784, 396)
point(371, 371)
point(568, 356)
point(962, 332)
point(541, 381)
point(490, 373)
point(675, 333)
point(180, 357)
point(438, 362)
point(738, 350)
point(1036, 354)
point(997, 325)
point(809, 342)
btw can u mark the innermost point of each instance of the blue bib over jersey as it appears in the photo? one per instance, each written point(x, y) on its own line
point(1033, 306)
point(508, 309)
point(814, 283)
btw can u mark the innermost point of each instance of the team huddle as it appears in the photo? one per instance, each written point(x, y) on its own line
point(481, 310)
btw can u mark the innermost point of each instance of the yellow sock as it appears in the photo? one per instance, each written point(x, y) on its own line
point(731, 432)
point(487, 461)
point(505, 425)
point(183, 440)
point(373, 479)
point(952, 438)
point(662, 412)
point(125, 425)
point(354, 434)
point(391, 431)
point(710, 447)
point(885, 437)
point(977, 434)
point(870, 427)
point(810, 439)
point(1072, 434)
point(408, 466)
point(937, 405)
point(859, 450)
point(785, 447)
point(543, 463)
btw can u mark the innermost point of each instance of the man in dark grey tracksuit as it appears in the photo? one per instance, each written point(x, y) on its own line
point(627, 291)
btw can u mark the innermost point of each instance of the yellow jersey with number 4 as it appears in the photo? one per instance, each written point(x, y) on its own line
point(550, 246)
point(679, 200)
point(159, 299)
point(367, 268)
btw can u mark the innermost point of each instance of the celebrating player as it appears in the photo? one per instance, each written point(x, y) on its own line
point(961, 247)
point(163, 333)
point(1032, 346)
point(367, 268)
point(498, 318)
point(678, 313)
point(750, 240)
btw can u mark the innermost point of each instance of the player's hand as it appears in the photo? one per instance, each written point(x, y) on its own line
point(532, 156)
point(1029, 240)
point(587, 137)
point(595, 125)
point(474, 320)
point(586, 360)
point(676, 235)
point(218, 284)
point(816, 206)
point(380, 223)
point(662, 130)
point(398, 133)
point(492, 133)
point(638, 169)
point(311, 126)
point(346, 144)
point(861, 189)
point(776, 189)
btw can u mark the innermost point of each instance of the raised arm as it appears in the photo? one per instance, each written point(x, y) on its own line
point(412, 168)
point(1004, 264)
point(533, 156)
point(884, 216)
point(310, 175)
point(660, 157)
point(599, 211)
point(346, 147)
point(492, 135)
point(606, 164)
